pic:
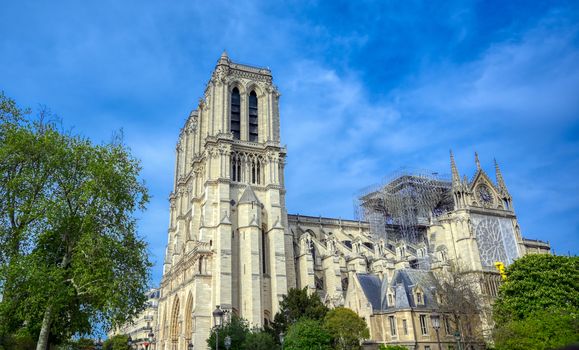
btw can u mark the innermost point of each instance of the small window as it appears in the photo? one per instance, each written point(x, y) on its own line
point(426, 347)
point(419, 298)
point(423, 325)
point(447, 328)
point(405, 327)
point(390, 300)
point(392, 325)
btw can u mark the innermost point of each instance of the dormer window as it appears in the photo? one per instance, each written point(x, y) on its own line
point(390, 300)
point(419, 297)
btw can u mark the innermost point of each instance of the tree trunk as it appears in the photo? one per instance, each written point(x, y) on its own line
point(45, 330)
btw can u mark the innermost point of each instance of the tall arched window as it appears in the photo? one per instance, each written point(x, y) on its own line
point(235, 113)
point(235, 167)
point(253, 133)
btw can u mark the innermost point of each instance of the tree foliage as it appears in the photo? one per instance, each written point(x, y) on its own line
point(117, 342)
point(295, 305)
point(346, 327)
point(242, 337)
point(259, 340)
point(69, 254)
point(535, 283)
point(538, 304)
point(307, 334)
point(18, 341)
point(237, 329)
point(392, 347)
point(546, 329)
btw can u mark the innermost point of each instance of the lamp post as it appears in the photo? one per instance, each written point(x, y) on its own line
point(227, 342)
point(150, 338)
point(218, 320)
point(281, 339)
point(435, 320)
point(98, 344)
point(457, 337)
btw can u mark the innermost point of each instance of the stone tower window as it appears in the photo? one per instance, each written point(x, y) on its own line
point(235, 113)
point(235, 167)
point(255, 171)
point(253, 125)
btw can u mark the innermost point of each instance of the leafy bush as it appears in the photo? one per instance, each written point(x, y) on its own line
point(346, 327)
point(307, 334)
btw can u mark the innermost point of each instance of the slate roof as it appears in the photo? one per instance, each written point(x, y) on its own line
point(403, 283)
point(410, 278)
point(371, 286)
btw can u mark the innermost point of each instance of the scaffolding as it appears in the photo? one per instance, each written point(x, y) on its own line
point(404, 204)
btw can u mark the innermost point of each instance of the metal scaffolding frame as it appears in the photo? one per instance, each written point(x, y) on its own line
point(404, 204)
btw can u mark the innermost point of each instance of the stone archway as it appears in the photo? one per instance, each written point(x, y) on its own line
point(188, 318)
point(175, 330)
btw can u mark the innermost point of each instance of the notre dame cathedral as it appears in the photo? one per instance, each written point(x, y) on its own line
point(232, 243)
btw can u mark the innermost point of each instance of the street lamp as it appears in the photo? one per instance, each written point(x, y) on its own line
point(218, 320)
point(457, 337)
point(281, 339)
point(150, 339)
point(435, 320)
point(227, 342)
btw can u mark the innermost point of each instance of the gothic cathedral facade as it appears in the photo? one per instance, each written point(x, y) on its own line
point(231, 242)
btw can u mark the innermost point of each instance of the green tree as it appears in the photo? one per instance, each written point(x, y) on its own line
point(307, 334)
point(69, 253)
point(19, 341)
point(546, 329)
point(538, 304)
point(535, 283)
point(237, 329)
point(117, 342)
point(346, 327)
point(259, 340)
point(81, 344)
point(298, 303)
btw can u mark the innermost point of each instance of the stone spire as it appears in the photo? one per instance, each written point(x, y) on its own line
point(477, 162)
point(455, 175)
point(500, 180)
point(224, 59)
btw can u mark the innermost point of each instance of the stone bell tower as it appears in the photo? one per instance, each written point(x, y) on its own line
point(228, 242)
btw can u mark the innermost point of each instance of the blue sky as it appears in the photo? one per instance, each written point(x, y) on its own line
point(368, 87)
